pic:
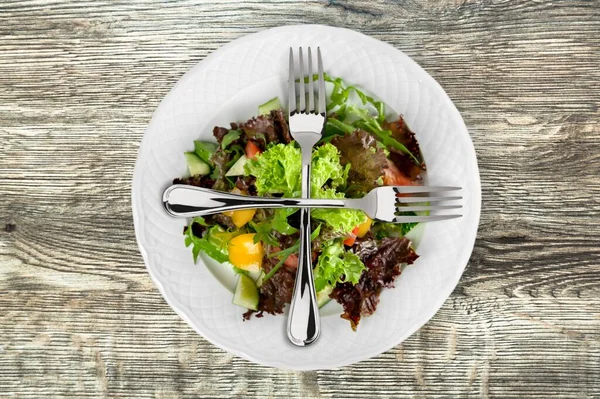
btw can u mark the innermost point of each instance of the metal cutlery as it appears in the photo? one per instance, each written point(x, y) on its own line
point(306, 125)
point(385, 204)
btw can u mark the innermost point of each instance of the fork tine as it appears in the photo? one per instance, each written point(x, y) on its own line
point(311, 92)
point(419, 219)
point(322, 108)
point(409, 200)
point(302, 106)
point(292, 86)
point(422, 189)
point(418, 208)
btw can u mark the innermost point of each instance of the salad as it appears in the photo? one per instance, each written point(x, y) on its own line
point(354, 257)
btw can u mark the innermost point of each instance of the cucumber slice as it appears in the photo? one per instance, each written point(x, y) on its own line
point(254, 274)
point(204, 150)
point(237, 169)
point(266, 108)
point(257, 277)
point(323, 296)
point(246, 293)
point(195, 164)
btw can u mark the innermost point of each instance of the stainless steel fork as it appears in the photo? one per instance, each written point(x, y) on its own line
point(385, 204)
point(306, 125)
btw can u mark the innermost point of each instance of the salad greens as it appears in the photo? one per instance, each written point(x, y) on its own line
point(353, 257)
point(278, 171)
point(368, 117)
point(336, 265)
point(203, 243)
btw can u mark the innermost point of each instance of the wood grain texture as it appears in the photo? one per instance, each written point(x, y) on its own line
point(79, 315)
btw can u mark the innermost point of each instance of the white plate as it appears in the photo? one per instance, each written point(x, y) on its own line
point(228, 86)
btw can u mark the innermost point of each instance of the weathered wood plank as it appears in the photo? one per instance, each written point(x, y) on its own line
point(79, 316)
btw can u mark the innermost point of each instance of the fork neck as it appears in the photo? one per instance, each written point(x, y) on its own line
point(305, 176)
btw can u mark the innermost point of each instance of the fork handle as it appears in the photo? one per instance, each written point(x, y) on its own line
point(188, 201)
point(304, 325)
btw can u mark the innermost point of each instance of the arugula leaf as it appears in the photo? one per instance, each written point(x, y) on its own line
point(219, 237)
point(202, 244)
point(336, 265)
point(337, 126)
point(264, 230)
point(230, 137)
point(343, 116)
point(285, 253)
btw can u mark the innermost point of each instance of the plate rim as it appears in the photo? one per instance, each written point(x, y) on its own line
point(420, 320)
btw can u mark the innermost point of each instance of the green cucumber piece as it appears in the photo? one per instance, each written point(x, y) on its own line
point(257, 277)
point(323, 296)
point(237, 169)
point(204, 150)
point(266, 108)
point(246, 293)
point(195, 165)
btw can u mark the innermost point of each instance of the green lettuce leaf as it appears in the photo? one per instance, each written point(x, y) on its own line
point(327, 168)
point(341, 220)
point(336, 265)
point(277, 170)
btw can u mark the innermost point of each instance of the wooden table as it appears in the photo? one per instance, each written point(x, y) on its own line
point(79, 315)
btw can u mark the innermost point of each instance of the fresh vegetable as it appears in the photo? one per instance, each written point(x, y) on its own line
point(354, 257)
point(368, 161)
point(266, 108)
point(219, 237)
point(201, 243)
point(277, 170)
point(252, 150)
point(381, 230)
point(327, 168)
point(351, 238)
point(237, 169)
point(266, 229)
point(393, 177)
point(241, 217)
point(336, 265)
point(205, 150)
point(284, 254)
point(246, 293)
point(245, 253)
point(369, 116)
point(323, 296)
point(230, 137)
point(383, 265)
point(195, 165)
point(364, 228)
point(340, 220)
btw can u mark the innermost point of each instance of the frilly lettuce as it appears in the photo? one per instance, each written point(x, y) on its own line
point(278, 171)
point(343, 220)
point(336, 265)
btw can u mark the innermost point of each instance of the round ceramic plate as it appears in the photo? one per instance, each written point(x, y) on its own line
point(228, 86)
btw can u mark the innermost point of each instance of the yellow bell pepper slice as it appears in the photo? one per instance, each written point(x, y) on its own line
point(244, 253)
point(364, 227)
